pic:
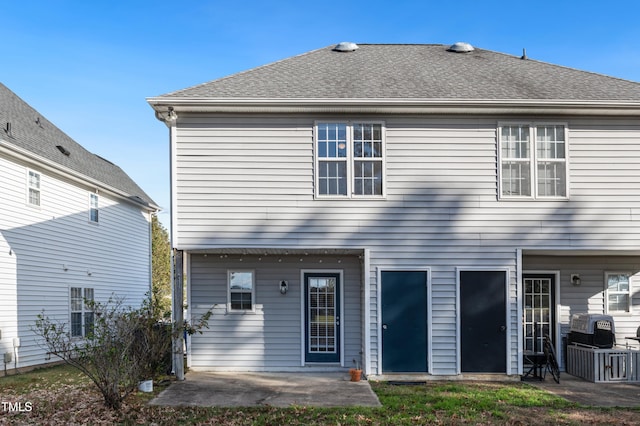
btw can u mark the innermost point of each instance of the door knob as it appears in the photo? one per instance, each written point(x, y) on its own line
point(384, 326)
point(503, 328)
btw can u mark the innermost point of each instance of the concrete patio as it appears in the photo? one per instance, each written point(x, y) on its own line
point(269, 389)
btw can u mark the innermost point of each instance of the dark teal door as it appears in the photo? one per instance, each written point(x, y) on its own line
point(322, 317)
point(483, 331)
point(404, 321)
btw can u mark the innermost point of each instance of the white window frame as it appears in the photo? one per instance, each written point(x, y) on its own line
point(37, 188)
point(533, 160)
point(350, 160)
point(87, 293)
point(628, 293)
point(252, 291)
point(94, 201)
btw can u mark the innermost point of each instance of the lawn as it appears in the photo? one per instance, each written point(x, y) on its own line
point(60, 395)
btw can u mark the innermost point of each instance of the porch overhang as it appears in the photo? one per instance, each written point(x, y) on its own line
point(579, 252)
point(276, 251)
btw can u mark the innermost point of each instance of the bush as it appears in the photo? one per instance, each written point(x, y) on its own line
point(123, 347)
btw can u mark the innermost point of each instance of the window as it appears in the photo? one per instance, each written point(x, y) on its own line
point(533, 161)
point(349, 159)
point(81, 311)
point(34, 188)
point(618, 291)
point(93, 208)
point(241, 291)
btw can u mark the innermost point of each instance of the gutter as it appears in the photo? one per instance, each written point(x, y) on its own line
point(27, 156)
point(168, 106)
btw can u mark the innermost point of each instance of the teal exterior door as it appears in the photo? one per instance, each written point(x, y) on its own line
point(404, 321)
point(322, 317)
point(483, 331)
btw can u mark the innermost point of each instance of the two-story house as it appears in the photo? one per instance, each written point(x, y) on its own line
point(414, 208)
point(73, 226)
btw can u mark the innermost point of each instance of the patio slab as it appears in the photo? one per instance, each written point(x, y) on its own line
point(576, 389)
point(267, 389)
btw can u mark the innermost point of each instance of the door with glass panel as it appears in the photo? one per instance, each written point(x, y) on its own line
point(322, 317)
point(539, 319)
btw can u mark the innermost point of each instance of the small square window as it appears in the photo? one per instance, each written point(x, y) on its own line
point(241, 291)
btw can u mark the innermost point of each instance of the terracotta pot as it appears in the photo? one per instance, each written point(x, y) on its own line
point(356, 374)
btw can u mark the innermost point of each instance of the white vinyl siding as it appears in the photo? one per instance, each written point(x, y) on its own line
point(44, 251)
point(268, 339)
point(249, 182)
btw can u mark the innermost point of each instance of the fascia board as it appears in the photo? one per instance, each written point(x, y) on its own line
point(397, 106)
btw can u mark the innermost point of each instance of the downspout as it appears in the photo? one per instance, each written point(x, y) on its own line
point(177, 303)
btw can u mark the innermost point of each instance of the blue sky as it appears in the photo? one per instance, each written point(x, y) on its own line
point(88, 66)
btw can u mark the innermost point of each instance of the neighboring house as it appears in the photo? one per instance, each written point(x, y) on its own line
point(416, 208)
point(72, 226)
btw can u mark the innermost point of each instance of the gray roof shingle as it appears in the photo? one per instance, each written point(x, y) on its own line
point(429, 71)
point(32, 132)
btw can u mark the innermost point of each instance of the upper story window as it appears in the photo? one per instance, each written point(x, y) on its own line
point(533, 161)
point(93, 208)
point(242, 291)
point(618, 292)
point(81, 311)
point(33, 195)
point(349, 159)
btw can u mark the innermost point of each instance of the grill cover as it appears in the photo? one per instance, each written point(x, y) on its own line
point(593, 330)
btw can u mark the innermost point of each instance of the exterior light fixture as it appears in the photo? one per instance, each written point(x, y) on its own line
point(575, 280)
point(284, 287)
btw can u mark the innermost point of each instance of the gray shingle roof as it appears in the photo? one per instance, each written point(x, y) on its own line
point(383, 71)
point(32, 132)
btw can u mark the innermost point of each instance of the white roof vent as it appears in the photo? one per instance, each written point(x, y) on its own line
point(461, 47)
point(345, 46)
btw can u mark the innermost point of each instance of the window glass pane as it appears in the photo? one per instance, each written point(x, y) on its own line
point(34, 180)
point(367, 140)
point(76, 324)
point(76, 299)
point(515, 142)
point(88, 323)
point(332, 140)
point(241, 281)
point(240, 301)
point(332, 178)
point(550, 142)
point(367, 178)
point(618, 302)
point(551, 179)
point(34, 197)
point(516, 178)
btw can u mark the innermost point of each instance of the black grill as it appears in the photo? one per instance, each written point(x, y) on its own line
point(593, 330)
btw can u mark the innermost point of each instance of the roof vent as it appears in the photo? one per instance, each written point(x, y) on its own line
point(461, 47)
point(345, 46)
point(63, 150)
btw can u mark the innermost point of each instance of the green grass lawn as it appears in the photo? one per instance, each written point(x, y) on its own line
point(60, 395)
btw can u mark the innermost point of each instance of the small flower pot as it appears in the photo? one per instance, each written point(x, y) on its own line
point(355, 374)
